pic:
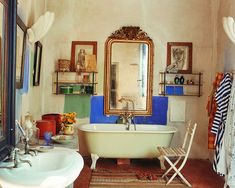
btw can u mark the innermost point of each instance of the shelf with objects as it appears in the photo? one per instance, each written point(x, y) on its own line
point(180, 84)
point(78, 78)
point(74, 83)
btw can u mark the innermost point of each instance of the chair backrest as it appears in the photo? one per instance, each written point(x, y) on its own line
point(188, 139)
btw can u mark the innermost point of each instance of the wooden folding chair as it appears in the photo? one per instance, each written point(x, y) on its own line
point(179, 153)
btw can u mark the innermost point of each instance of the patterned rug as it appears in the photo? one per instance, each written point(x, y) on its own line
point(102, 178)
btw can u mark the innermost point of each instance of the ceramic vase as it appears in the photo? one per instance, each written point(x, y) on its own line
point(68, 129)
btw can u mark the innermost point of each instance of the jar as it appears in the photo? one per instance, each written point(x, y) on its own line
point(56, 117)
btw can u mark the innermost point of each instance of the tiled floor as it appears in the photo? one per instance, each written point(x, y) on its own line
point(199, 172)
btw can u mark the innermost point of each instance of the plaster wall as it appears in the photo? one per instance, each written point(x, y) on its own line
point(29, 11)
point(164, 21)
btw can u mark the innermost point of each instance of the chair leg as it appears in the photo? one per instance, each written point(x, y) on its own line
point(161, 159)
point(169, 169)
point(177, 171)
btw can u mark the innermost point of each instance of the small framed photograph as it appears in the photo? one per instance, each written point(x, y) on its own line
point(83, 56)
point(179, 57)
point(37, 63)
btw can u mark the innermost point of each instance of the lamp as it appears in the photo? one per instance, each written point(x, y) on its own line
point(229, 28)
point(41, 27)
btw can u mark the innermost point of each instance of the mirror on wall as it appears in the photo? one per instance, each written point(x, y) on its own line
point(128, 72)
point(3, 38)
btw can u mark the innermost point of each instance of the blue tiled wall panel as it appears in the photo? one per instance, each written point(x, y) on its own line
point(97, 111)
point(159, 112)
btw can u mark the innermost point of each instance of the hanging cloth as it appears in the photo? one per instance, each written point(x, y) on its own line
point(222, 97)
point(211, 109)
point(226, 163)
point(26, 80)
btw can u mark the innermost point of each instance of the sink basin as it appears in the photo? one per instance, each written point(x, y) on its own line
point(58, 168)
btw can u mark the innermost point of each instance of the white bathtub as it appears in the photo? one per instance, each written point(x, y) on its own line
point(113, 141)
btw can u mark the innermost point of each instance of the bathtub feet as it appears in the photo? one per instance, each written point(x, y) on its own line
point(161, 159)
point(94, 158)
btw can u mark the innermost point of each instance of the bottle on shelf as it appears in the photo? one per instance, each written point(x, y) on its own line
point(180, 84)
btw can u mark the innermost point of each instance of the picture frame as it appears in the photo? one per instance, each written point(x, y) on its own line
point(83, 54)
point(37, 63)
point(20, 52)
point(179, 56)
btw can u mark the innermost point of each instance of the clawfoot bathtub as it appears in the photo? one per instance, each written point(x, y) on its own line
point(114, 141)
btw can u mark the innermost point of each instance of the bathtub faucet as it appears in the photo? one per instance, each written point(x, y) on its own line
point(128, 117)
point(128, 120)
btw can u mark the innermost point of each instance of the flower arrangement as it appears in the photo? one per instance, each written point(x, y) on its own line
point(69, 118)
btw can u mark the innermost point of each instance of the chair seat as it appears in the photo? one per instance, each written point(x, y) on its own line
point(172, 152)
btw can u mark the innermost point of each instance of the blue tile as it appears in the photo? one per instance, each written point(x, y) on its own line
point(159, 112)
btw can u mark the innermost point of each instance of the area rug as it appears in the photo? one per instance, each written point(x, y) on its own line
point(126, 178)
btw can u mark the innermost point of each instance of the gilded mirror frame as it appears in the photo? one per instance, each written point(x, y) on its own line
point(128, 34)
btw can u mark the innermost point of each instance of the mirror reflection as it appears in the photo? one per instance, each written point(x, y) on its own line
point(129, 68)
point(128, 72)
point(2, 60)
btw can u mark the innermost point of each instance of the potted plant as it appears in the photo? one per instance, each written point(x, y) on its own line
point(68, 120)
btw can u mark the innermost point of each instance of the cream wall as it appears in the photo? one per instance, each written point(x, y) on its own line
point(164, 21)
point(29, 11)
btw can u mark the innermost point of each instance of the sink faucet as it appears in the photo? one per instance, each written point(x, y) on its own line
point(14, 157)
point(27, 150)
point(17, 160)
point(128, 117)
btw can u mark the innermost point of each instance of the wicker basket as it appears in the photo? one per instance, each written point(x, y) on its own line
point(63, 65)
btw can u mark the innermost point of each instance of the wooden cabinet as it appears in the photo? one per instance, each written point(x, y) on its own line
point(176, 84)
point(74, 83)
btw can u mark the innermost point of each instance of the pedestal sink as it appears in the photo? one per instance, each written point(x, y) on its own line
point(57, 168)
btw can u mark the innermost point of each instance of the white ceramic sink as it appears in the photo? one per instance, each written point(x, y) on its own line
point(57, 168)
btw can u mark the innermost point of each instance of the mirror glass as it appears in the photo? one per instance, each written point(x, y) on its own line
point(2, 68)
point(129, 68)
point(128, 72)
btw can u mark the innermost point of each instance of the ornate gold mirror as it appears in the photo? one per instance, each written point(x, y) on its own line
point(128, 72)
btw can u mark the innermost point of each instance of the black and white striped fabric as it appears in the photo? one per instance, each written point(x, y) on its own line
point(222, 96)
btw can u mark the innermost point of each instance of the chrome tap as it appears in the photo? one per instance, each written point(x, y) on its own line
point(17, 160)
point(128, 119)
point(128, 116)
point(14, 157)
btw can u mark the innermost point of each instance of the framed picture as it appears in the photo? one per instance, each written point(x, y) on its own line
point(83, 56)
point(37, 63)
point(20, 52)
point(179, 56)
